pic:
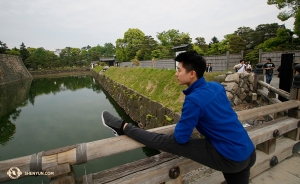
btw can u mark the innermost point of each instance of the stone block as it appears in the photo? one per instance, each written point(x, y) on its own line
point(231, 87)
point(232, 78)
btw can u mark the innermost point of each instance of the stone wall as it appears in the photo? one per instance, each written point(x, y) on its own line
point(147, 113)
point(239, 87)
point(12, 69)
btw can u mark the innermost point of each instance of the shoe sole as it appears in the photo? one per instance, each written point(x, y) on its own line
point(113, 131)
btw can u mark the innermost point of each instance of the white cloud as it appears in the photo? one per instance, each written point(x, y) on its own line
point(58, 24)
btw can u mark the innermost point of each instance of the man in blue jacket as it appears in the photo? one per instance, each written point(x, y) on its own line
point(226, 147)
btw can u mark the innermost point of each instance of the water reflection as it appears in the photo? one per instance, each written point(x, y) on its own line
point(56, 85)
point(11, 96)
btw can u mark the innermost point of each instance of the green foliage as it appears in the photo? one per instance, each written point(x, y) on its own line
point(13, 51)
point(172, 38)
point(297, 24)
point(293, 6)
point(42, 58)
point(200, 42)
point(236, 44)
point(198, 49)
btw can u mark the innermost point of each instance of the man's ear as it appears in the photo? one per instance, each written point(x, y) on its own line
point(193, 74)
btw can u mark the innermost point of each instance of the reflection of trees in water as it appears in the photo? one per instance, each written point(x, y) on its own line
point(7, 128)
point(55, 85)
point(19, 94)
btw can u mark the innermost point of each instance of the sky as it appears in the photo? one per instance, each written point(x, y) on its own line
point(54, 24)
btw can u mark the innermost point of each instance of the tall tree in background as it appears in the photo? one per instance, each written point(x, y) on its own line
point(127, 47)
point(264, 32)
point(213, 40)
point(3, 47)
point(148, 45)
point(246, 33)
point(121, 50)
point(236, 44)
point(109, 50)
point(172, 38)
point(200, 42)
point(133, 39)
point(24, 52)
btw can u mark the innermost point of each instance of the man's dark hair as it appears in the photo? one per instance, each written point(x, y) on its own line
point(269, 59)
point(242, 60)
point(191, 60)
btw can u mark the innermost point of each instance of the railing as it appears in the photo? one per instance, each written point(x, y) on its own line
point(275, 140)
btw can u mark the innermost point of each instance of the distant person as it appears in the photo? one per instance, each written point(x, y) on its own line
point(249, 67)
point(209, 68)
point(268, 67)
point(206, 69)
point(226, 147)
point(240, 68)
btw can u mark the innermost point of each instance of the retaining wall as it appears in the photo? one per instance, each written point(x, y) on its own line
point(147, 113)
point(12, 69)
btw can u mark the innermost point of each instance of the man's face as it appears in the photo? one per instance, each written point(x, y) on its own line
point(184, 77)
point(268, 61)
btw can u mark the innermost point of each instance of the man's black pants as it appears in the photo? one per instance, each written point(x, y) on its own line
point(199, 150)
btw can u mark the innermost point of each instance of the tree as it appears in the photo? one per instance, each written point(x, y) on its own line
point(246, 33)
point(148, 45)
point(41, 58)
point(297, 24)
point(236, 44)
point(293, 5)
point(13, 51)
point(121, 50)
point(214, 40)
point(109, 50)
point(24, 52)
point(283, 41)
point(264, 32)
point(133, 39)
point(127, 47)
point(200, 42)
point(172, 38)
point(3, 47)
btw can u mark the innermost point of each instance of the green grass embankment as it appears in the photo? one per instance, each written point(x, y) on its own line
point(158, 84)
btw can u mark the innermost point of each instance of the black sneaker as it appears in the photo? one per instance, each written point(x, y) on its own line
point(112, 122)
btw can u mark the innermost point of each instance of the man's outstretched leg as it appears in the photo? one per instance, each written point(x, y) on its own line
point(199, 150)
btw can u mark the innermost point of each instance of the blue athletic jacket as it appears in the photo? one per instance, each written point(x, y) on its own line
point(207, 108)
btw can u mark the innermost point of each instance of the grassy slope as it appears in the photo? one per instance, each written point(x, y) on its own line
point(157, 84)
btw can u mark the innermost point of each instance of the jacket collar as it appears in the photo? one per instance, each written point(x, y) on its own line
point(196, 84)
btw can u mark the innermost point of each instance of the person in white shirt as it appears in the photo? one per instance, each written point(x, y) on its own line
point(240, 68)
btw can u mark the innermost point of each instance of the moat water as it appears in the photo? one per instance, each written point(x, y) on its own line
point(49, 113)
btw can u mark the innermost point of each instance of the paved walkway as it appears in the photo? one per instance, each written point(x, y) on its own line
point(274, 81)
